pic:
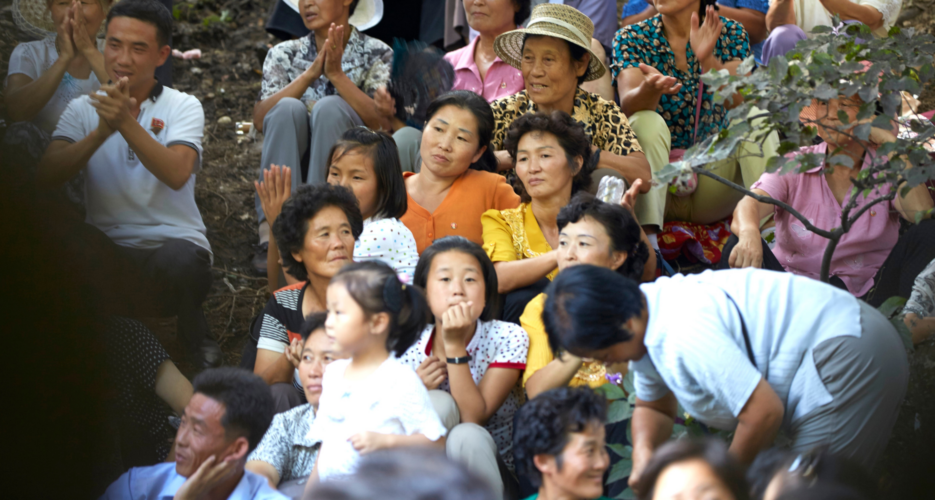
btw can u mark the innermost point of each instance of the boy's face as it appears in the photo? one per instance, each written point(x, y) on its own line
point(133, 51)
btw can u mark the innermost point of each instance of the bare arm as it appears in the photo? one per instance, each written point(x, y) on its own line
point(628, 201)
point(916, 200)
point(753, 21)
point(368, 110)
point(25, 97)
point(850, 11)
point(273, 367)
point(264, 469)
point(758, 423)
point(172, 165)
point(558, 373)
point(632, 167)
point(651, 426)
point(780, 13)
point(476, 402)
point(294, 90)
point(86, 44)
point(504, 160)
point(519, 273)
point(746, 226)
point(636, 18)
point(641, 88)
point(63, 160)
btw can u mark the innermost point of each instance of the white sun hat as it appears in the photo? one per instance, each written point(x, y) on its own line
point(365, 16)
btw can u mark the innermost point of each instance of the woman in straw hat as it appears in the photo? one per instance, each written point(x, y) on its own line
point(318, 86)
point(554, 54)
point(45, 75)
point(872, 260)
point(657, 66)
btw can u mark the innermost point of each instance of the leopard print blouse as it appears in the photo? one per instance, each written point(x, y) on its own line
point(604, 121)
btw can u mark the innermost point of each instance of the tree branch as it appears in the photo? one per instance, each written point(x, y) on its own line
point(766, 199)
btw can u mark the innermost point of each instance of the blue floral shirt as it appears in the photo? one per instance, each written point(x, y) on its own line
point(645, 42)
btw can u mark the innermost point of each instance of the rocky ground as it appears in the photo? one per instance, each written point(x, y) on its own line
point(227, 79)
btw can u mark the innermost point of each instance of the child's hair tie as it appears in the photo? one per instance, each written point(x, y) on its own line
point(392, 294)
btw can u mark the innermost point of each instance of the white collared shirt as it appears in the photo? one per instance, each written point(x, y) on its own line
point(124, 199)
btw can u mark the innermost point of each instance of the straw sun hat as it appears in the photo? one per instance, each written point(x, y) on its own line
point(33, 17)
point(365, 16)
point(555, 20)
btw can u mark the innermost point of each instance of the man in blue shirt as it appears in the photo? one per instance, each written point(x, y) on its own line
point(750, 13)
point(225, 419)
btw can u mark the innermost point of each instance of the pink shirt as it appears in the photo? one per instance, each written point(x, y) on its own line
point(502, 79)
point(861, 251)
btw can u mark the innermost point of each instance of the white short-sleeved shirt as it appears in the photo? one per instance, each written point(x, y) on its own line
point(811, 13)
point(35, 58)
point(124, 199)
point(392, 400)
point(696, 348)
point(496, 344)
point(390, 241)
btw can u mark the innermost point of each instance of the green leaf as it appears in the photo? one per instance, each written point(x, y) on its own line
point(891, 306)
point(618, 411)
point(611, 392)
point(862, 131)
point(626, 494)
point(904, 334)
point(620, 470)
point(622, 451)
point(628, 383)
point(843, 118)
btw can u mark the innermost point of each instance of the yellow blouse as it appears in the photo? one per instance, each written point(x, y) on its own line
point(514, 234)
point(591, 373)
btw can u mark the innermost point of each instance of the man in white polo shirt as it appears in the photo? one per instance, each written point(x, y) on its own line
point(140, 144)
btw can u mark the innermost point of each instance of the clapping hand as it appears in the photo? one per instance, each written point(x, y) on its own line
point(64, 40)
point(114, 107)
point(274, 190)
point(84, 42)
point(293, 352)
point(703, 37)
point(334, 47)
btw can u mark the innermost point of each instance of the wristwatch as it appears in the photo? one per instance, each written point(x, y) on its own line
point(459, 361)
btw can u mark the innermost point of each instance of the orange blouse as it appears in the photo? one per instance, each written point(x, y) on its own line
point(472, 194)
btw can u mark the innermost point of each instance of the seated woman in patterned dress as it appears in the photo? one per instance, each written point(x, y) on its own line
point(552, 156)
point(554, 54)
point(657, 66)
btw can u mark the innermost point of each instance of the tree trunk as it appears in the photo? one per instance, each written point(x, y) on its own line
point(826, 259)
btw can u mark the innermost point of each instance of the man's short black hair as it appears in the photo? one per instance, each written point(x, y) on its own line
point(314, 321)
point(291, 226)
point(150, 11)
point(248, 402)
point(545, 423)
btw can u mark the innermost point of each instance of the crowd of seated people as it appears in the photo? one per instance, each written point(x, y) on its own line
point(470, 298)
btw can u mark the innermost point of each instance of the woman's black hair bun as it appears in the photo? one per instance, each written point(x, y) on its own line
point(393, 294)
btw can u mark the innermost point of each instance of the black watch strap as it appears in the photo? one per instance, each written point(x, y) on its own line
point(459, 361)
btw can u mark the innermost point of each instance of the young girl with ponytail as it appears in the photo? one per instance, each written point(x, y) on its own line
point(371, 401)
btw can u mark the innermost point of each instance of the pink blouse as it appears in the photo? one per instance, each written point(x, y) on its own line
point(861, 251)
point(502, 79)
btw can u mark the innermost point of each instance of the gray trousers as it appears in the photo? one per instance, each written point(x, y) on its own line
point(289, 130)
point(468, 444)
point(867, 378)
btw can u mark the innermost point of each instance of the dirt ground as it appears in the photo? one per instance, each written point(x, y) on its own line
point(227, 80)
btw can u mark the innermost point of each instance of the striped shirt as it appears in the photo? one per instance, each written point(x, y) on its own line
point(282, 319)
point(695, 346)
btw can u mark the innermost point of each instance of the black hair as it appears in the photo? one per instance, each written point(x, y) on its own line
point(483, 115)
point(381, 148)
point(248, 402)
point(544, 424)
point(313, 322)
point(571, 137)
point(802, 471)
point(405, 474)
point(586, 308)
point(704, 7)
point(149, 11)
point(463, 245)
point(376, 289)
point(711, 450)
point(292, 224)
point(577, 52)
point(621, 226)
point(523, 9)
